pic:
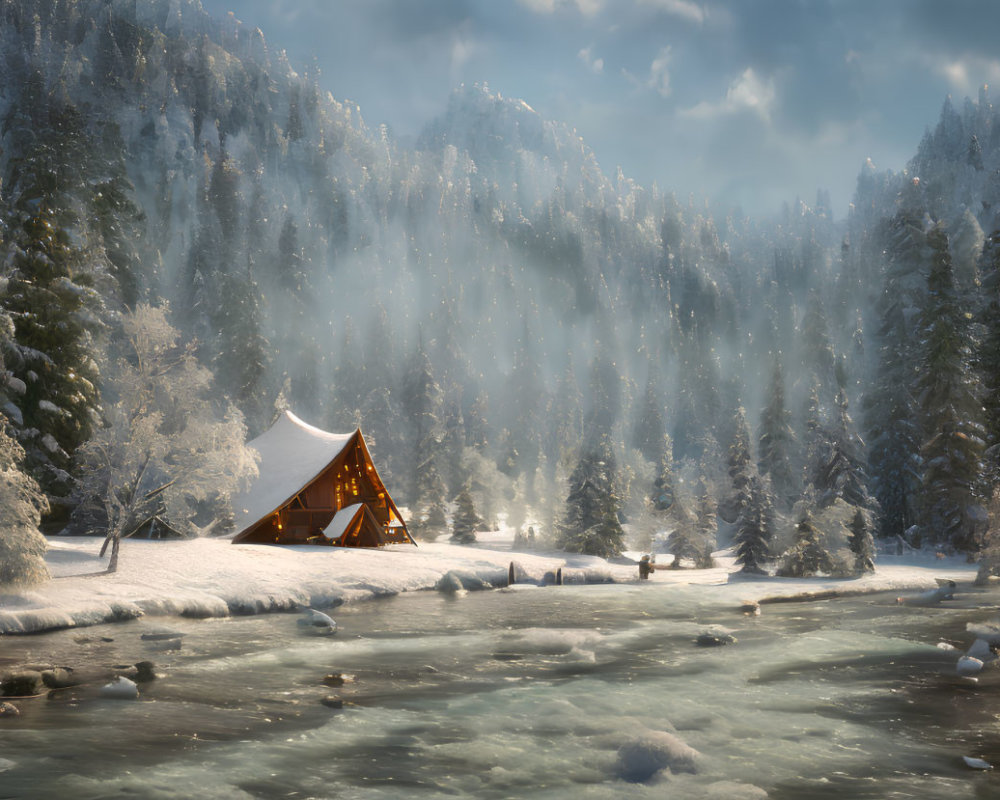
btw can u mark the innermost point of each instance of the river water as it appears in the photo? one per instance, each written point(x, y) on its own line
point(525, 692)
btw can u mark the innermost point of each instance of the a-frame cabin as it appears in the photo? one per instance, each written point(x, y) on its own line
point(316, 487)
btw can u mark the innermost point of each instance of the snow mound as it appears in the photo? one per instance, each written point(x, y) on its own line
point(653, 752)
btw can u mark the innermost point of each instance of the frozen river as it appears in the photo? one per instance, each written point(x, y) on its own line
point(561, 692)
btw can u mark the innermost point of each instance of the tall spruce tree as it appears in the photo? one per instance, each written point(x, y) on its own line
point(56, 258)
point(739, 466)
point(591, 523)
point(755, 527)
point(776, 441)
point(890, 412)
point(466, 520)
point(951, 415)
point(988, 352)
point(839, 467)
point(893, 454)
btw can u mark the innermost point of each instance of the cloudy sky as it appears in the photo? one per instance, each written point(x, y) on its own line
point(751, 102)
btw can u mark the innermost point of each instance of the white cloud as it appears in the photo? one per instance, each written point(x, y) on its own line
point(965, 75)
point(659, 73)
point(685, 9)
point(586, 7)
point(746, 93)
point(586, 55)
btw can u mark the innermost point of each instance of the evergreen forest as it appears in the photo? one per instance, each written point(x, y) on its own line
point(194, 236)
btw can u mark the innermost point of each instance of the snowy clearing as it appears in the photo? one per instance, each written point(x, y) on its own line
point(213, 578)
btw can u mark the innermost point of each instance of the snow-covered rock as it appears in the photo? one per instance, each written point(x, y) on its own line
point(120, 688)
point(653, 751)
point(317, 622)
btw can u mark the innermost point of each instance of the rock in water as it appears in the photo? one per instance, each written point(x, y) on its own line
point(751, 608)
point(317, 622)
point(21, 684)
point(140, 672)
point(648, 754)
point(9, 710)
point(945, 591)
point(450, 583)
point(120, 689)
point(967, 665)
point(715, 639)
point(982, 650)
point(60, 678)
point(145, 671)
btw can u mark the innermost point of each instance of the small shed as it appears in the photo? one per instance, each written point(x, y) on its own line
point(316, 487)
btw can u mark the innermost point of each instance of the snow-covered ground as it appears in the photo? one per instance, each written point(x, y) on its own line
point(211, 577)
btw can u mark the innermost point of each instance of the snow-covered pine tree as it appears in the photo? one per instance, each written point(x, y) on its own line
point(893, 453)
point(814, 434)
point(889, 407)
point(466, 520)
point(22, 545)
point(776, 441)
point(988, 352)
point(838, 475)
point(838, 469)
point(431, 518)
point(739, 466)
point(951, 423)
point(755, 527)
point(591, 523)
point(807, 556)
point(55, 290)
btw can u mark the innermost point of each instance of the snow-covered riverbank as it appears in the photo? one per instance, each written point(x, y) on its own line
point(211, 577)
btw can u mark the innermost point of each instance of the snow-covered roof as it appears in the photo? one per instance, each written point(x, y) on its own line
point(292, 454)
point(341, 520)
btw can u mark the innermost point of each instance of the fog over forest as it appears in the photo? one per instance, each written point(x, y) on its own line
point(575, 349)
